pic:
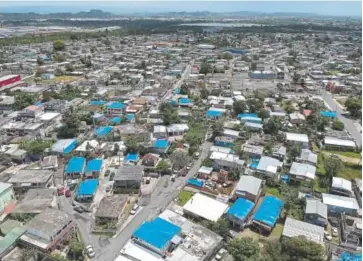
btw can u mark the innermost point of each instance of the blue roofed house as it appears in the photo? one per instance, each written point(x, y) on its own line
point(161, 146)
point(75, 167)
point(64, 146)
point(131, 158)
point(116, 108)
point(328, 114)
point(156, 235)
point(93, 168)
point(97, 118)
point(215, 113)
point(87, 189)
point(184, 102)
point(224, 141)
point(268, 213)
point(239, 212)
point(103, 131)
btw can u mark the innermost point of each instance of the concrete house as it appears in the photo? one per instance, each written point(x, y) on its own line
point(248, 187)
point(128, 179)
point(316, 212)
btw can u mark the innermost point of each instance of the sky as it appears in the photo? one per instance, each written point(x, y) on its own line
point(331, 8)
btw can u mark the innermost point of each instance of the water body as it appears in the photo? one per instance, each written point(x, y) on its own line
point(224, 24)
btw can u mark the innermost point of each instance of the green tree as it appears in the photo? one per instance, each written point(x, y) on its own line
point(59, 45)
point(76, 249)
point(179, 159)
point(204, 93)
point(215, 92)
point(234, 174)
point(263, 114)
point(338, 125)
point(131, 145)
point(205, 68)
point(184, 90)
point(217, 128)
point(69, 68)
point(227, 56)
point(354, 106)
point(169, 114)
point(333, 165)
point(243, 249)
point(59, 58)
point(58, 257)
point(302, 249)
point(23, 100)
point(70, 126)
point(254, 105)
point(221, 227)
point(272, 126)
point(40, 61)
point(294, 152)
point(239, 107)
point(162, 166)
point(28, 254)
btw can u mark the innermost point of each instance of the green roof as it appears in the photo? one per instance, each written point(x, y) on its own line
point(9, 225)
point(11, 238)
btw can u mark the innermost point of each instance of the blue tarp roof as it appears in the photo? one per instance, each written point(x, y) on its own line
point(213, 113)
point(162, 144)
point(116, 120)
point(345, 256)
point(330, 114)
point(184, 100)
point(97, 102)
point(177, 90)
point(241, 208)
point(94, 165)
point(157, 233)
point(269, 211)
point(195, 182)
point(130, 116)
point(75, 165)
point(38, 103)
point(244, 115)
point(103, 131)
point(116, 105)
point(132, 157)
point(87, 187)
point(65, 146)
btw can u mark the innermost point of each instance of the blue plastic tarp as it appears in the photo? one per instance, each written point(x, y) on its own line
point(132, 157)
point(330, 114)
point(115, 120)
point(94, 165)
point(269, 211)
point(345, 256)
point(87, 188)
point(195, 182)
point(97, 102)
point(130, 116)
point(157, 233)
point(103, 131)
point(116, 106)
point(161, 144)
point(213, 113)
point(241, 208)
point(184, 101)
point(75, 165)
point(245, 115)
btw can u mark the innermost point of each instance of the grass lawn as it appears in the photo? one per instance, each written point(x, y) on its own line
point(351, 171)
point(320, 165)
point(277, 231)
point(272, 191)
point(184, 196)
point(350, 154)
point(317, 186)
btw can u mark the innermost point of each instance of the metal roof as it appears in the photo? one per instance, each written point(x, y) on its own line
point(249, 184)
point(294, 228)
point(314, 206)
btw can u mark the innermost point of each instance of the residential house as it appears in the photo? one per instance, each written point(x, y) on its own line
point(222, 141)
point(252, 151)
point(139, 133)
point(110, 209)
point(339, 204)
point(301, 171)
point(269, 166)
point(226, 161)
point(26, 179)
point(351, 231)
point(248, 187)
point(6, 196)
point(296, 138)
point(357, 187)
point(31, 111)
point(240, 211)
point(295, 228)
point(177, 129)
point(339, 144)
point(204, 172)
point(49, 229)
point(150, 161)
point(160, 146)
point(316, 212)
point(307, 157)
point(296, 118)
point(128, 179)
point(160, 132)
point(341, 186)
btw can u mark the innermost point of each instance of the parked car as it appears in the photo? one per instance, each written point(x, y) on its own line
point(112, 176)
point(172, 178)
point(67, 193)
point(147, 180)
point(79, 209)
point(220, 254)
point(60, 191)
point(134, 209)
point(327, 236)
point(90, 251)
point(108, 188)
point(334, 231)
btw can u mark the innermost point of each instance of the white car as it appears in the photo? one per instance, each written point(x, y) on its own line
point(134, 209)
point(90, 252)
point(327, 236)
point(220, 254)
point(334, 231)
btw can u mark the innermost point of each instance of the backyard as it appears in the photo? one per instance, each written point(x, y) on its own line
point(184, 197)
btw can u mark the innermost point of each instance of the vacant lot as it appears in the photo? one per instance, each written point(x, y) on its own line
point(184, 197)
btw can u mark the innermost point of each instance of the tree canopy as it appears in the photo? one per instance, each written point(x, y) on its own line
point(244, 249)
point(205, 68)
point(354, 106)
point(272, 126)
point(239, 107)
point(23, 100)
point(338, 125)
point(169, 114)
point(301, 249)
point(162, 166)
point(59, 45)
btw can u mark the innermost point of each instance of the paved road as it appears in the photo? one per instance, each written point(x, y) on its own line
point(349, 124)
point(163, 194)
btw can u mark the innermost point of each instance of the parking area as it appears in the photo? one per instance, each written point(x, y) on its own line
point(148, 185)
